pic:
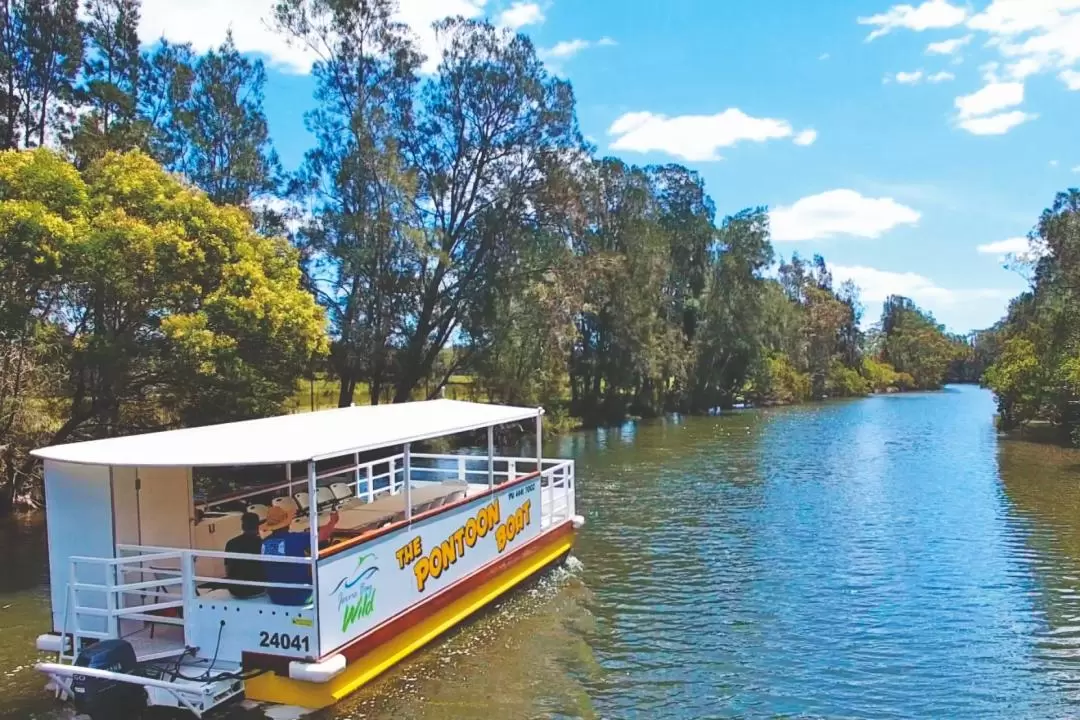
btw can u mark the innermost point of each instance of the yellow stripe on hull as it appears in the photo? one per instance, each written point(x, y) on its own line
point(272, 688)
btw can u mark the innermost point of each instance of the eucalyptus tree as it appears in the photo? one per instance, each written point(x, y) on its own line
point(361, 242)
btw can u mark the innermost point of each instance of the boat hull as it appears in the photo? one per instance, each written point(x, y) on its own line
point(380, 650)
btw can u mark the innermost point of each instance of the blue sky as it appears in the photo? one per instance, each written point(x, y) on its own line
point(912, 145)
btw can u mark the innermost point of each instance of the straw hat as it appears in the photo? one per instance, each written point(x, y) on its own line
point(276, 518)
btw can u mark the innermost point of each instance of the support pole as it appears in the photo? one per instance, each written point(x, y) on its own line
point(356, 472)
point(407, 462)
point(288, 477)
point(313, 528)
point(491, 458)
point(539, 439)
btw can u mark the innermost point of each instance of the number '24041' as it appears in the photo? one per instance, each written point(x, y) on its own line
point(284, 641)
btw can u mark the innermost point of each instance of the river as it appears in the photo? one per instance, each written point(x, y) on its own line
point(882, 558)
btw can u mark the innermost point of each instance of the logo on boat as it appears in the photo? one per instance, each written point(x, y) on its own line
point(355, 593)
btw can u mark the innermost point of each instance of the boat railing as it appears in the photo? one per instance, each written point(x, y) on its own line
point(372, 479)
point(146, 587)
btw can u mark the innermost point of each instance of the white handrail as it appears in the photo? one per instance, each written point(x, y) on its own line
point(393, 461)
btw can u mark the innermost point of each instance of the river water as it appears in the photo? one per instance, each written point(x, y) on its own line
point(882, 558)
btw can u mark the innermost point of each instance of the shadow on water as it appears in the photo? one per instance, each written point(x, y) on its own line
point(883, 558)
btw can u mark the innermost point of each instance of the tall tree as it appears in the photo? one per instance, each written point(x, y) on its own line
point(41, 49)
point(729, 345)
point(220, 137)
point(487, 123)
point(166, 82)
point(110, 82)
point(360, 244)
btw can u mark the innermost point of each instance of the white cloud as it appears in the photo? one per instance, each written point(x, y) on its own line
point(1053, 163)
point(693, 137)
point(1011, 17)
point(1076, 169)
point(806, 137)
point(521, 14)
point(940, 77)
point(823, 56)
point(948, 47)
point(569, 48)
point(996, 124)
point(1030, 37)
point(991, 98)
point(876, 285)
point(908, 78)
point(1071, 78)
point(1024, 68)
point(565, 49)
point(839, 212)
point(1011, 245)
point(203, 23)
point(931, 14)
point(1014, 248)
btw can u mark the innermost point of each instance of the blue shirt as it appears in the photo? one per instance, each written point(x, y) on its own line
point(283, 543)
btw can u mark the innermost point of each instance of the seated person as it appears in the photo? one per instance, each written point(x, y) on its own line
point(249, 542)
point(281, 542)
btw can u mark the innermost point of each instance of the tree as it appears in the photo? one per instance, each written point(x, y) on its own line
point(361, 245)
point(41, 49)
point(488, 124)
point(173, 310)
point(219, 138)
point(110, 82)
point(914, 343)
point(167, 79)
point(1036, 374)
point(729, 344)
point(42, 215)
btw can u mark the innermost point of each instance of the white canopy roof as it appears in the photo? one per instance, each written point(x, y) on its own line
point(291, 438)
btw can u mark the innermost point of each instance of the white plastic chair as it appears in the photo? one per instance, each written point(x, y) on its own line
point(303, 500)
point(324, 496)
point(342, 491)
point(259, 509)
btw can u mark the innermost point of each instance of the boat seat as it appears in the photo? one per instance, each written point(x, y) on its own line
point(453, 497)
point(341, 491)
point(425, 506)
point(286, 502)
point(324, 496)
point(259, 509)
point(303, 500)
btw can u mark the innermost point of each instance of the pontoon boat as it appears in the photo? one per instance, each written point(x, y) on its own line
point(142, 610)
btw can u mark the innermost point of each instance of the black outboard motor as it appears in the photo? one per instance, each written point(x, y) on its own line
point(107, 699)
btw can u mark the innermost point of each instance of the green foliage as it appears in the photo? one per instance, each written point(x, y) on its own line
point(1036, 371)
point(883, 377)
point(158, 307)
point(1017, 378)
point(41, 50)
point(915, 344)
point(110, 82)
point(844, 381)
point(781, 382)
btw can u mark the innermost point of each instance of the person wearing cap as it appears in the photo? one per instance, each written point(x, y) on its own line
point(281, 542)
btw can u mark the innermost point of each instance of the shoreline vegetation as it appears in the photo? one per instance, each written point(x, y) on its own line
point(159, 268)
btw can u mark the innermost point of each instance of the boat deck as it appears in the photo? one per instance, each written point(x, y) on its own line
point(153, 642)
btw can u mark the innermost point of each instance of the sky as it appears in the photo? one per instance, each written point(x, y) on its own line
point(912, 145)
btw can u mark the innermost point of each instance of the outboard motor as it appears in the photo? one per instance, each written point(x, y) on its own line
point(107, 699)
